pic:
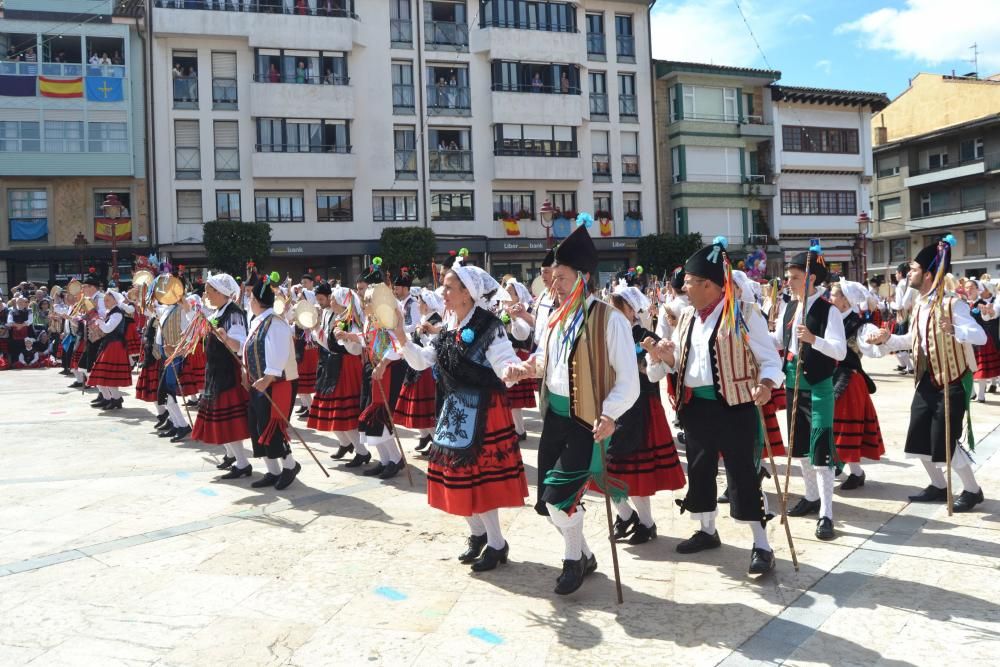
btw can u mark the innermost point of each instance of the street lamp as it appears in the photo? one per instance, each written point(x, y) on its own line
point(113, 210)
point(546, 213)
point(80, 243)
point(864, 221)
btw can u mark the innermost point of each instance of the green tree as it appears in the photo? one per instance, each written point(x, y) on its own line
point(231, 244)
point(412, 247)
point(662, 253)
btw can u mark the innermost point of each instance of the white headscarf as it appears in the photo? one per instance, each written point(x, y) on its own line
point(633, 296)
point(523, 293)
point(476, 281)
point(225, 284)
point(855, 293)
point(749, 289)
point(116, 295)
point(433, 300)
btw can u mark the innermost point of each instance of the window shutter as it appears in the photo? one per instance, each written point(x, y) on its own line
point(223, 65)
point(563, 133)
point(226, 134)
point(186, 133)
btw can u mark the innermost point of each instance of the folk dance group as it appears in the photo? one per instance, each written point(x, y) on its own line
point(459, 365)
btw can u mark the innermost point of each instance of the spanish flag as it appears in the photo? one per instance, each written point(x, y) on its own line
point(606, 229)
point(512, 227)
point(60, 87)
point(103, 227)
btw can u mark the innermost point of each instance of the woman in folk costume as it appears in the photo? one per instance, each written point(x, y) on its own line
point(111, 369)
point(417, 405)
point(307, 358)
point(336, 406)
point(642, 453)
point(520, 332)
point(150, 366)
point(193, 376)
point(856, 431)
point(271, 369)
point(222, 415)
point(981, 303)
point(475, 463)
point(84, 351)
point(133, 341)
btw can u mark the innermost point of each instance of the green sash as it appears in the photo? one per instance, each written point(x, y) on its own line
point(822, 451)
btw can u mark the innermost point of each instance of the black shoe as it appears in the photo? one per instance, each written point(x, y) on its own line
point(589, 564)
point(625, 527)
point(358, 460)
point(967, 500)
point(76, 385)
point(824, 528)
point(900, 368)
point(266, 480)
point(425, 442)
point(180, 434)
point(391, 470)
point(571, 577)
point(288, 476)
point(931, 494)
point(99, 399)
point(680, 437)
point(474, 550)
point(643, 534)
point(236, 473)
point(852, 482)
point(65, 371)
point(521, 437)
point(302, 410)
point(168, 432)
point(341, 452)
point(376, 471)
point(992, 389)
point(113, 404)
point(162, 419)
point(724, 498)
point(227, 463)
point(192, 402)
point(699, 542)
point(804, 508)
point(491, 558)
point(761, 561)
point(304, 416)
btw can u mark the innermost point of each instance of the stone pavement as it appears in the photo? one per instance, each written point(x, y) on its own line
point(118, 548)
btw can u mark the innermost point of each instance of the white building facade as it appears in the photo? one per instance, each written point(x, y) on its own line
point(332, 120)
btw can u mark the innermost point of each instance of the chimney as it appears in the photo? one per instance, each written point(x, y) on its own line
point(881, 135)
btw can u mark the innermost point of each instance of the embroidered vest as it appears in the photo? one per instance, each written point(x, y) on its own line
point(171, 327)
point(816, 366)
point(734, 368)
point(254, 353)
point(222, 370)
point(945, 359)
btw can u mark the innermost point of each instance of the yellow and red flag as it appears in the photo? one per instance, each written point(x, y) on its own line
point(60, 87)
point(512, 227)
point(606, 227)
point(103, 229)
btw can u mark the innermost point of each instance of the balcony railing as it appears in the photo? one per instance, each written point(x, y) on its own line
point(401, 31)
point(329, 79)
point(303, 148)
point(186, 92)
point(526, 24)
point(601, 166)
point(599, 105)
point(988, 206)
point(626, 48)
point(595, 44)
point(535, 87)
point(406, 163)
point(713, 118)
point(61, 69)
point(535, 151)
point(446, 33)
point(445, 97)
point(332, 8)
point(630, 168)
point(402, 97)
point(991, 161)
point(224, 93)
point(450, 162)
point(628, 106)
point(187, 162)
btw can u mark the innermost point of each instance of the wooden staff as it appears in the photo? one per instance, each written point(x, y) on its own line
point(798, 378)
point(947, 408)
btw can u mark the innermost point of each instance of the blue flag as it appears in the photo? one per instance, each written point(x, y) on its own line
point(17, 86)
point(33, 229)
point(105, 89)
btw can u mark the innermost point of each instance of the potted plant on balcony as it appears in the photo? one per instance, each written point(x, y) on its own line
point(633, 223)
point(605, 222)
point(511, 222)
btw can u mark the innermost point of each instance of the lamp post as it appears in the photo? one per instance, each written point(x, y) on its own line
point(546, 213)
point(864, 221)
point(113, 210)
point(80, 243)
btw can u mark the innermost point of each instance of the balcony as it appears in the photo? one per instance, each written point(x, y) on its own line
point(630, 169)
point(625, 48)
point(511, 107)
point(952, 217)
point(324, 162)
point(448, 100)
point(186, 92)
point(402, 99)
point(501, 43)
point(287, 100)
point(628, 109)
point(406, 164)
point(754, 127)
point(450, 165)
point(596, 50)
point(446, 36)
point(328, 8)
point(401, 33)
point(511, 165)
point(759, 185)
point(948, 172)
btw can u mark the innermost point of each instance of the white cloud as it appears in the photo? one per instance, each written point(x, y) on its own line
point(824, 65)
point(934, 32)
point(801, 18)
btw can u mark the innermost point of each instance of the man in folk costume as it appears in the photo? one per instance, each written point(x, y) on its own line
point(589, 378)
point(941, 335)
point(538, 315)
point(307, 361)
point(821, 342)
point(91, 290)
point(271, 369)
point(726, 368)
point(222, 415)
point(401, 288)
point(150, 366)
point(112, 368)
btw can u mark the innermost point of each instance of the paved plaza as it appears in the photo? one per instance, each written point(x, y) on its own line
point(118, 548)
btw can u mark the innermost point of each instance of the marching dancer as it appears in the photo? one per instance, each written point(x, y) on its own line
point(902, 305)
point(111, 368)
point(307, 360)
point(417, 405)
point(941, 337)
point(988, 355)
point(151, 367)
point(172, 320)
point(522, 394)
point(475, 464)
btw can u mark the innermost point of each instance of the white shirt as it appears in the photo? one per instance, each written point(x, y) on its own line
point(833, 343)
point(621, 354)
point(414, 307)
point(279, 353)
point(109, 325)
point(967, 330)
point(520, 329)
point(545, 305)
point(663, 328)
point(236, 330)
point(698, 371)
point(500, 353)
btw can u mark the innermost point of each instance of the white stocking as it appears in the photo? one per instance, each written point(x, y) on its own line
point(809, 477)
point(306, 400)
point(288, 463)
point(571, 528)
point(176, 418)
point(937, 477)
point(708, 522)
point(824, 478)
point(273, 466)
point(229, 450)
point(760, 536)
point(518, 416)
point(160, 409)
point(644, 509)
point(625, 510)
point(425, 432)
point(476, 525)
point(494, 535)
point(982, 390)
point(962, 464)
point(856, 469)
point(115, 393)
point(105, 393)
point(361, 447)
point(240, 453)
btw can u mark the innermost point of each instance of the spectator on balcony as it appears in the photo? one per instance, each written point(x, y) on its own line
point(536, 83)
point(441, 91)
point(273, 75)
point(30, 56)
point(12, 54)
point(60, 57)
point(452, 91)
point(329, 79)
point(301, 76)
point(94, 58)
point(117, 59)
point(301, 7)
point(180, 86)
point(564, 84)
point(192, 77)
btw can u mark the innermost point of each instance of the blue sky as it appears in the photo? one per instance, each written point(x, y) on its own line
point(871, 45)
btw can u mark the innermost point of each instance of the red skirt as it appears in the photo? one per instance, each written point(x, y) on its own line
point(877, 318)
point(770, 411)
point(149, 381)
point(133, 344)
point(522, 394)
point(495, 480)
point(307, 370)
point(224, 419)
point(340, 409)
point(415, 407)
point(192, 378)
point(112, 367)
point(987, 361)
point(856, 432)
point(655, 467)
point(78, 347)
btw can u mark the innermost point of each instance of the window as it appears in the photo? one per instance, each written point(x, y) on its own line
point(19, 136)
point(405, 142)
point(878, 252)
point(189, 207)
point(973, 196)
point(970, 150)
point(507, 205)
point(227, 149)
point(446, 24)
point(63, 136)
point(223, 80)
point(295, 135)
point(185, 79)
point(187, 150)
point(675, 164)
point(630, 156)
point(402, 87)
point(296, 66)
point(28, 215)
point(227, 205)
point(818, 202)
point(709, 103)
point(797, 139)
point(279, 206)
point(598, 95)
point(974, 243)
point(452, 206)
point(899, 250)
point(107, 137)
point(125, 197)
point(889, 209)
point(450, 152)
point(933, 203)
point(334, 206)
point(535, 140)
point(448, 90)
point(624, 39)
point(518, 77)
point(934, 158)
point(711, 164)
point(394, 207)
point(628, 108)
point(563, 202)
point(595, 35)
point(600, 156)
point(632, 205)
point(528, 15)
point(888, 166)
point(602, 204)
point(400, 22)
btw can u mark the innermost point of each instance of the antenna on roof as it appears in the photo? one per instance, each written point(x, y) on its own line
point(974, 74)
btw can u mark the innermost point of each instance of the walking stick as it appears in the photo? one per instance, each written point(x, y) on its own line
point(798, 378)
point(782, 501)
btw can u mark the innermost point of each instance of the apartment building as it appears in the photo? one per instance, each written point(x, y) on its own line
point(335, 119)
point(937, 161)
point(71, 132)
point(823, 171)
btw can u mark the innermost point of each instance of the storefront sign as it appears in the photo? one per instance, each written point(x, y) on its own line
point(287, 250)
point(518, 244)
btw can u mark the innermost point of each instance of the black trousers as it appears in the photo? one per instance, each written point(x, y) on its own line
point(712, 427)
point(926, 433)
point(564, 445)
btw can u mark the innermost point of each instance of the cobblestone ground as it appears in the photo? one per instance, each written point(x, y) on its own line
point(117, 547)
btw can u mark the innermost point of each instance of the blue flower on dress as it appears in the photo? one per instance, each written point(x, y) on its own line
point(638, 349)
point(975, 311)
point(468, 335)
